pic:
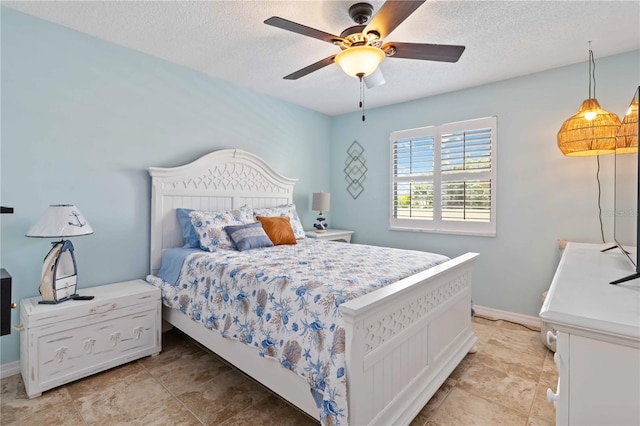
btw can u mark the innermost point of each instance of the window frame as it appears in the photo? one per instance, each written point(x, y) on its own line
point(437, 224)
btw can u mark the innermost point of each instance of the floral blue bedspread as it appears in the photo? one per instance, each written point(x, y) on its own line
point(283, 301)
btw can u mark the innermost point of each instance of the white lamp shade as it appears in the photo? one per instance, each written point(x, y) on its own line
point(321, 201)
point(360, 60)
point(60, 220)
point(374, 79)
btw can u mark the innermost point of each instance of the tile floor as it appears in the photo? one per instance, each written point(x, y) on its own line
point(504, 383)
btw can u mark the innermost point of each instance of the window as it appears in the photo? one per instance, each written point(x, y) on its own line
point(443, 178)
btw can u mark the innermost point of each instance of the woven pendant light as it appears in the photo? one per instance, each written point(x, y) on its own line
point(592, 130)
point(627, 139)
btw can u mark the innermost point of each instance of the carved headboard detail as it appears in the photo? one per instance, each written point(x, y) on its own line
point(221, 180)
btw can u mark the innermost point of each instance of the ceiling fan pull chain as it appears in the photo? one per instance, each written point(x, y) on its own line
point(361, 94)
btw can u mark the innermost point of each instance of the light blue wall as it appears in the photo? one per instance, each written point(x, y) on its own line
point(542, 195)
point(82, 120)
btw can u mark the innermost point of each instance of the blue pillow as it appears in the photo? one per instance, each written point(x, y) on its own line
point(189, 233)
point(248, 236)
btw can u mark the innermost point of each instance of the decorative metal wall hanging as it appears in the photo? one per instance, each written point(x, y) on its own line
point(355, 169)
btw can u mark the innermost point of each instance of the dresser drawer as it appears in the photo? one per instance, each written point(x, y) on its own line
point(75, 350)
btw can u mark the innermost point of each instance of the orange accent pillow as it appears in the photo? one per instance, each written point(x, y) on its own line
point(278, 229)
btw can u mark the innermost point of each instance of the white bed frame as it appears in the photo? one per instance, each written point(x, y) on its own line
point(402, 341)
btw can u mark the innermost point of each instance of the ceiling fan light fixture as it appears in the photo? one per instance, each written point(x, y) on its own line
point(360, 61)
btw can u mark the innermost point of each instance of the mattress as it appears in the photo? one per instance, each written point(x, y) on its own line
point(283, 302)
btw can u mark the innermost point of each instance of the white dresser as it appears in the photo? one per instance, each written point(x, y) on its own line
point(73, 339)
point(596, 327)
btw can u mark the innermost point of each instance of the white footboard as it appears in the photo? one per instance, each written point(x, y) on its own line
point(404, 340)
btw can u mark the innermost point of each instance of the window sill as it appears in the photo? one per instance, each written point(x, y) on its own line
point(444, 231)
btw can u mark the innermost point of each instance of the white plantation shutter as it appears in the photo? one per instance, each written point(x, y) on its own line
point(413, 162)
point(443, 178)
point(466, 162)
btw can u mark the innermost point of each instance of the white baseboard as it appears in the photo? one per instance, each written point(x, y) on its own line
point(508, 316)
point(9, 369)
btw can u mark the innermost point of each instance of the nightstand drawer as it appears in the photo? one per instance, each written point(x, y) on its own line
point(83, 347)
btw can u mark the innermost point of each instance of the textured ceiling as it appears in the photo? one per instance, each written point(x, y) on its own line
point(228, 40)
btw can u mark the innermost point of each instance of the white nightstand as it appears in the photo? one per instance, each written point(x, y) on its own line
point(73, 339)
point(331, 235)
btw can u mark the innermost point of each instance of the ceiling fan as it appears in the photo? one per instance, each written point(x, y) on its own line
point(362, 48)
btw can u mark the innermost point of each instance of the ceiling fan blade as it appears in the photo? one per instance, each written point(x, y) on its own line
point(390, 15)
point(302, 29)
point(374, 79)
point(426, 52)
point(311, 68)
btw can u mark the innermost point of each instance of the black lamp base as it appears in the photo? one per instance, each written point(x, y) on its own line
point(320, 225)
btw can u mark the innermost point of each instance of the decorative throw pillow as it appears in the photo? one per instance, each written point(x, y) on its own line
point(288, 210)
point(248, 236)
point(189, 234)
point(210, 226)
point(278, 229)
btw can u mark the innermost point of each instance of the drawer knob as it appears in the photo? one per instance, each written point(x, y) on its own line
point(137, 332)
point(552, 397)
point(551, 337)
point(89, 344)
point(114, 338)
point(60, 353)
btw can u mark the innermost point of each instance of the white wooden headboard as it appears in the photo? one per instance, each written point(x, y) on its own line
point(221, 180)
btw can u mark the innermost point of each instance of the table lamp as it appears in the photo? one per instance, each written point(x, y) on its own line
point(321, 202)
point(59, 274)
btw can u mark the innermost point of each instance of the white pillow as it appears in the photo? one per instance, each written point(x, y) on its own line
point(285, 210)
point(210, 226)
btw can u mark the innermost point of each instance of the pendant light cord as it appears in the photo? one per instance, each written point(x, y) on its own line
point(592, 72)
point(599, 199)
point(592, 78)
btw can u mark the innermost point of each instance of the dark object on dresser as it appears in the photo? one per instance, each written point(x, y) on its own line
point(5, 302)
point(5, 292)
